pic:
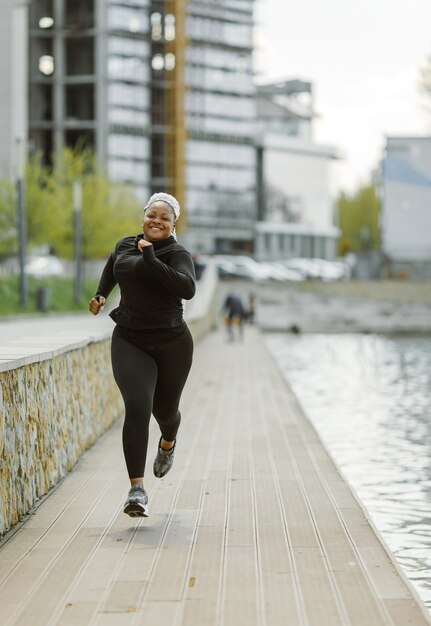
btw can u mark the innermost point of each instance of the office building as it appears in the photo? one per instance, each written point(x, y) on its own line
point(163, 91)
point(406, 205)
point(295, 207)
point(220, 115)
point(89, 83)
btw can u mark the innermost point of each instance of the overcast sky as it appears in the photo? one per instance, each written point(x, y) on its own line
point(363, 59)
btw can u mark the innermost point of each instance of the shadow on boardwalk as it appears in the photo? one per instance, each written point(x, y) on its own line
point(254, 525)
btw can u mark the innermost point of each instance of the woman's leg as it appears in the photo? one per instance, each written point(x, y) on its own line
point(135, 373)
point(173, 369)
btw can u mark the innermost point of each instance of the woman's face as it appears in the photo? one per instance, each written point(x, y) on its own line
point(158, 222)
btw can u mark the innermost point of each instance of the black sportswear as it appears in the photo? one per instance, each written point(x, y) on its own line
point(151, 347)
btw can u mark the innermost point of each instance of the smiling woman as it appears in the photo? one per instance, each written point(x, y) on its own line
point(152, 347)
point(160, 216)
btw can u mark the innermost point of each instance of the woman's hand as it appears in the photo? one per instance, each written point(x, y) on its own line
point(143, 243)
point(94, 306)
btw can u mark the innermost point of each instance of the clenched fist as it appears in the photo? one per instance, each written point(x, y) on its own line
point(95, 305)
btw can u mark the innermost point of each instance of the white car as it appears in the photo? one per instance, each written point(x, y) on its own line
point(319, 269)
point(42, 266)
point(282, 273)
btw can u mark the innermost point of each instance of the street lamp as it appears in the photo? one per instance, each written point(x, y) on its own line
point(77, 210)
point(21, 219)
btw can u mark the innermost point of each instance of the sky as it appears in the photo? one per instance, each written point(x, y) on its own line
point(363, 58)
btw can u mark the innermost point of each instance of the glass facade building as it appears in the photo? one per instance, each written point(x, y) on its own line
point(163, 91)
point(220, 115)
point(90, 79)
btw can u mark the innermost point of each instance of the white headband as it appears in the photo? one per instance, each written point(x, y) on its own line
point(168, 199)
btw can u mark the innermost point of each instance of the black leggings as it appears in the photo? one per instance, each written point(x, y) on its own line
point(150, 381)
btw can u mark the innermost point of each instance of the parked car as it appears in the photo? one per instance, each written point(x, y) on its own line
point(282, 273)
point(319, 269)
point(242, 266)
point(42, 266)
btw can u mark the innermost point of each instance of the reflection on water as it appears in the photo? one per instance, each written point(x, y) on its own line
point(369, 398)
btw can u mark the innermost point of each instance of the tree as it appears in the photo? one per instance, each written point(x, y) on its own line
point(358, 220)
point(8, 231)
point(44, 219)
point(109, 210)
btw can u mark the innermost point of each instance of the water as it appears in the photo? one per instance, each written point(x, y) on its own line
point(369, 397)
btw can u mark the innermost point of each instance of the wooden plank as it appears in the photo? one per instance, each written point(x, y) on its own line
point(41, 604)
point(153, 614)
point(240, 525)
point(241, 593)
point(407, 613)
point(385, 578)
point(168, 577)
point(203, 612)
point(321, 602)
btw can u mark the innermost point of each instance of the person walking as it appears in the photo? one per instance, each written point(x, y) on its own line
point(152, 347)
point(234, 313)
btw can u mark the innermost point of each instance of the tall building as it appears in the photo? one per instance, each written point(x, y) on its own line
point(89, 82)
point(406, 202)
point(295, 208)
point(163, 91)
point(220, 115)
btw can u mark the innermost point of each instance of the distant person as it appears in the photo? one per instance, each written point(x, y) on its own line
point(151, 346)
point(234, 313)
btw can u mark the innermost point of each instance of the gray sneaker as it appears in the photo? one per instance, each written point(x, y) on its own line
point(163, 461)
point(137, 502)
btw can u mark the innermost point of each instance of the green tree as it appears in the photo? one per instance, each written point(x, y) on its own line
point(42, 207)
point(358, 220)
point(8, 231)
point(109, 210)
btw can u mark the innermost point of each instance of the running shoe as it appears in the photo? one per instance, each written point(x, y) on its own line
point(137, 502)
point(163, 461)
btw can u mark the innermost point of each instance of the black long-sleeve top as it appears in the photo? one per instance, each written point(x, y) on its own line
point(152, 283)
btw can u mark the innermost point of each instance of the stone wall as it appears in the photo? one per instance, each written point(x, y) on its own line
point(51, 411)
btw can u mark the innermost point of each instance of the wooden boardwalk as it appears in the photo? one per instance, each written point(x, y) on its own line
point(254, 525)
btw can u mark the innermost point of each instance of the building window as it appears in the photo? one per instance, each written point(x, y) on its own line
point(79, 56)
point(41, 101)
point(129, 19)
point(79, 102)
point(42, 56)
point(79, 14)
point(132, 146)
point(42, 14)
point(128, 68)
point(128, 95)
point(80, 138)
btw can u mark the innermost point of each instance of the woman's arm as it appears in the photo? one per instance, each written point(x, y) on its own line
point(107, 279)
point(106, 285)
point(178, 277)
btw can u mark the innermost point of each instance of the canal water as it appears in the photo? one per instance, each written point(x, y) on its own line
point(369, 397)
